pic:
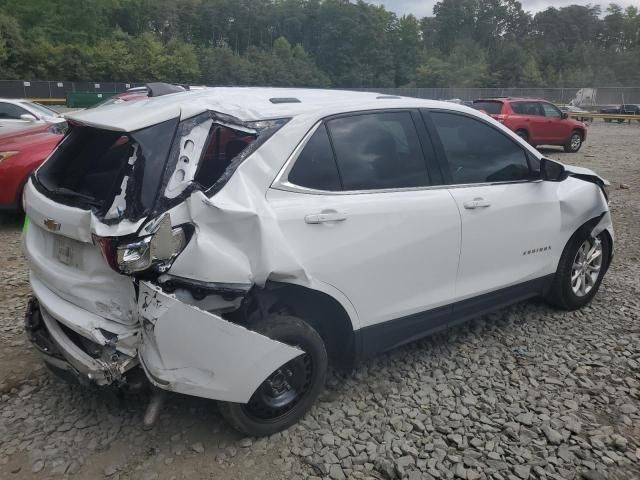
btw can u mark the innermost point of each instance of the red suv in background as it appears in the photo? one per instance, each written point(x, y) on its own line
point(537, 121)
point(21, 151)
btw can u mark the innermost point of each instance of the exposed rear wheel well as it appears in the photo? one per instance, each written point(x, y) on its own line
point(318, 309)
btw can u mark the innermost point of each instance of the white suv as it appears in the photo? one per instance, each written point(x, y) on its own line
point(229, 243)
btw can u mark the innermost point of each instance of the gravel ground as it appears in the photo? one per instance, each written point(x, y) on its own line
point(528, 392)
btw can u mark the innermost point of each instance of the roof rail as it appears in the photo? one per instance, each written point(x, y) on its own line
point(157, 89)
point(387, 97)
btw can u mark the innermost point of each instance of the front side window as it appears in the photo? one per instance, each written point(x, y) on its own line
point(477, 152)
point(378, 151)
point(527, 108)
point(551, 111)
point(9, 111)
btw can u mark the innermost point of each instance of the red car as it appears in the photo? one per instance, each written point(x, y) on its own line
point(537, 121)
point(21, 151)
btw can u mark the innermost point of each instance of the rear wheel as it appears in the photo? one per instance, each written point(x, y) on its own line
point(582, 266)
point(574, 143)
point(289, 392)
point(523, 135)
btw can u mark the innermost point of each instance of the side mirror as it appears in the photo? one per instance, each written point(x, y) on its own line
point(552, 171)
point(27, 117)
point(564, 115)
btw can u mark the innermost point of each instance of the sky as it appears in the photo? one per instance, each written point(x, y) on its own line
point(423, 8)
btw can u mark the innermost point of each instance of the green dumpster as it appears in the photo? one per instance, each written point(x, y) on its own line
point(86, 99)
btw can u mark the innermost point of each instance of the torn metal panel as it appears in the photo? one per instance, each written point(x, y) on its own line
point(190, 144)
point(89, 325)
point(605, 223)
point(188, 350)
point(97, 370)
point(119, 205)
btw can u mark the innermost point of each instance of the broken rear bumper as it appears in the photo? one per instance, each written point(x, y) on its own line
point(86, 356)
point(180, 347)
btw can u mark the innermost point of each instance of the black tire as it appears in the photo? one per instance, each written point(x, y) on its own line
point(523, 135)
point(574, 143)
point(561, 293)
point(307, 374)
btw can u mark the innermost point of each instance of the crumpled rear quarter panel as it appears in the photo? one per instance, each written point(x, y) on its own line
point(188, 350)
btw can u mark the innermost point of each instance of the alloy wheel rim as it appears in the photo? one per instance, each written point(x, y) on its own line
point(575, 141)
point(586, 267)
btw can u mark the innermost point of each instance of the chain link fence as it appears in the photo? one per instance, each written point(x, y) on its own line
point(575, 96)
point(56, 91)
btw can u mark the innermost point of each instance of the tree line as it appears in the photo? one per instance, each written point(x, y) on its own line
point(319, 43)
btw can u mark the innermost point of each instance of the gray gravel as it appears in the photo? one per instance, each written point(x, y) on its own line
point(526, 393)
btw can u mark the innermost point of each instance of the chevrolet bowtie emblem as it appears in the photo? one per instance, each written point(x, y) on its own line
point(51, 224)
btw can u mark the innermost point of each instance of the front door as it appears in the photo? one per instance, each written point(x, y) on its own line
point(510, 220)
point(365, 222)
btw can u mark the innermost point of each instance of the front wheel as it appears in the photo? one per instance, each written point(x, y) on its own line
point(289, 392)
point(582, 266)
point(574, 143)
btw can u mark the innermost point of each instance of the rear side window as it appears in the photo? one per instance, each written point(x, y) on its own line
point(477, 152)
point(378, 151)
point(527, 108)
point(316, 166)
point(491, 107)
point(223, 145)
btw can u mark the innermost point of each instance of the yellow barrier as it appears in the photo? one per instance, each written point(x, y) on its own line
point(607, 116)
point(53, 101)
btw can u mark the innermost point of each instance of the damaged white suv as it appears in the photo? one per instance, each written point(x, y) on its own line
point(230, 243)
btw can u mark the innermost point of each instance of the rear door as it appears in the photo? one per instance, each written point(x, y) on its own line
point(356, 205)
point(531, 117)
point(510, 220)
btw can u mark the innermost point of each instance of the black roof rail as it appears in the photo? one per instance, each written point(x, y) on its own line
point(157, 89)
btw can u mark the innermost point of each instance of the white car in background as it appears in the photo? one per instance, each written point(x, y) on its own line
point(230, 242)
point(15, 112)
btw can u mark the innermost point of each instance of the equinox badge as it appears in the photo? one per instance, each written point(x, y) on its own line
point(51, 224)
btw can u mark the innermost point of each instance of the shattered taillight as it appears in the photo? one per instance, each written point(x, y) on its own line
point(108, 249)
point(156, 250)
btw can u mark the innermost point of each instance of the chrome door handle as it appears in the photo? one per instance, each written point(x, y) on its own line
point(476, 203)
point(324, 217)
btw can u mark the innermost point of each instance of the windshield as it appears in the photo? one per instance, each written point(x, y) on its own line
point(42, 109)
